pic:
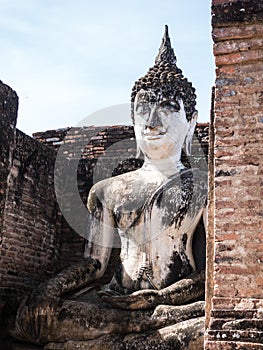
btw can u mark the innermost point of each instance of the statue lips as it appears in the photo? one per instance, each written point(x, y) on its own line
point(153, 133)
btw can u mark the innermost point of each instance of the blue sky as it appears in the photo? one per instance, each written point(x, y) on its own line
point(68, 59)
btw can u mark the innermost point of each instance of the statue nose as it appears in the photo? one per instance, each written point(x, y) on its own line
point(154, 119)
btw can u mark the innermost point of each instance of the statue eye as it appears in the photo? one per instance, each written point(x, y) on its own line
point(170, 107)
point(175, 105)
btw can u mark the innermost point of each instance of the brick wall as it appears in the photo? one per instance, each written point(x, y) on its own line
point(8, 115)
point(31, 228)
point(29, 216)
point(235, 297)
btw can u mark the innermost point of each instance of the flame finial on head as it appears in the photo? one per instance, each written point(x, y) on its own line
point(165, 80)
point(166, 52)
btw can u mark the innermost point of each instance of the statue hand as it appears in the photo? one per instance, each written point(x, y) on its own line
point(142, 299)
point(37, 313)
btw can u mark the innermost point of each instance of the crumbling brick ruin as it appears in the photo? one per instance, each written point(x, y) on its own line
point(234, 298)
point(36, 241)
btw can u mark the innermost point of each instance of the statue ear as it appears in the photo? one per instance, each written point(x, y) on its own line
point(190, 133)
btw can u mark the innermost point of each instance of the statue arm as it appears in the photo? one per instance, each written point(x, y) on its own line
point(85, 272)
point(73, 277)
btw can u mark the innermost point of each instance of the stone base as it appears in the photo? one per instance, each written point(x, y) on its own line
point(187, 335)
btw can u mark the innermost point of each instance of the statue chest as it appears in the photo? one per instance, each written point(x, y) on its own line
point(157, 238)
point(157, 258)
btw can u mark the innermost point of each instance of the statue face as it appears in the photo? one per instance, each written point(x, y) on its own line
point(160, 126)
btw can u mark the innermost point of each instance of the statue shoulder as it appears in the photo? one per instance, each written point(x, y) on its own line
point(111, 190)
point(96, 194)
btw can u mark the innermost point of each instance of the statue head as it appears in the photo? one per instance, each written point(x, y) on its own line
point(163, 104)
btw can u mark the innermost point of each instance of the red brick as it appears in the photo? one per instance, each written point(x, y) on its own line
point(231, 46)
point(245, 31)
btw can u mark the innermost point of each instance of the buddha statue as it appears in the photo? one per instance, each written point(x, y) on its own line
point(141, 282)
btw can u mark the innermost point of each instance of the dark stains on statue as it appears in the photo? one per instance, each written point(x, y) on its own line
point(182, 195)
point(179, 267)
point(184, 240)
point(116, 283)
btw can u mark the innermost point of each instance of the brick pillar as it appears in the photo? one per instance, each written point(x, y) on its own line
point(235, 298)
point(8, 116)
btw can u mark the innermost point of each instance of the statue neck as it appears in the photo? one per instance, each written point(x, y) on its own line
point(167, 166)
